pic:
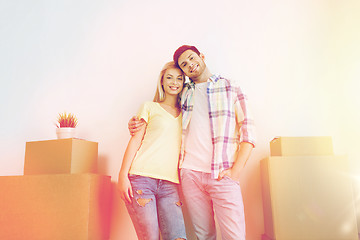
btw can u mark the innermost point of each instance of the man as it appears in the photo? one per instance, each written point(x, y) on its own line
point(217, 139)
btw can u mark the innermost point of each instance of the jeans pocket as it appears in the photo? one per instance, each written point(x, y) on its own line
point(133, 176)
point(231, 180)
point(136, 179)
point(181, 170)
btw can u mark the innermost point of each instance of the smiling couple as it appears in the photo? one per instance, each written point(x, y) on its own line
point(198, 135)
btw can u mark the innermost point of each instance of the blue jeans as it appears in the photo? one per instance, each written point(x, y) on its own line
point(156, 205)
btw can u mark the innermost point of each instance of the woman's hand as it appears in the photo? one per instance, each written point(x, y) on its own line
point(124, 187)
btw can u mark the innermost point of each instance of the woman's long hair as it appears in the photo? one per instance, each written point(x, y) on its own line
point(160, 93)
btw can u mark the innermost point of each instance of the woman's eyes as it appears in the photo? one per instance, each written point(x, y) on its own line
point(179, 78)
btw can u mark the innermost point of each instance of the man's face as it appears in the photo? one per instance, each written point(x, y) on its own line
point(192, 64)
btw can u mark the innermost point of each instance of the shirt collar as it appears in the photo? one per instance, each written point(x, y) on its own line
point(213, 78)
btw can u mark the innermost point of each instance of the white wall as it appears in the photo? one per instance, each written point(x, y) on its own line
point(297, 60)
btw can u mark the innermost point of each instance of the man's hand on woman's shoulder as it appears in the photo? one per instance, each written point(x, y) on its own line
point(134, 125)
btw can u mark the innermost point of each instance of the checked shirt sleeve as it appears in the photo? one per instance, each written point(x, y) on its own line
point(244, 118)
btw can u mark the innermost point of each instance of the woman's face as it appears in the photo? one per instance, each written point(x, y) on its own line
point(173, 81)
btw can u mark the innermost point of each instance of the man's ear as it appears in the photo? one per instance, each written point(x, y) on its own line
point(202, 56)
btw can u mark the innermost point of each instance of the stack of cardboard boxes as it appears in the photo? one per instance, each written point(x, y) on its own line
point(60, 195)
point(307, 191)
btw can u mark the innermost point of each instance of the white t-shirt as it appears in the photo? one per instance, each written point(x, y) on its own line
point(198, 143)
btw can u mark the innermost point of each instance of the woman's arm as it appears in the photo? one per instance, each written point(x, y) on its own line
point(134, 144)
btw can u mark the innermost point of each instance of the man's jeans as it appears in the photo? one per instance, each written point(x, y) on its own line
point(156, 204)
point(203, 195)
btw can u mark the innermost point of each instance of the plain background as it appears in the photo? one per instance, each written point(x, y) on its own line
point(297, 60)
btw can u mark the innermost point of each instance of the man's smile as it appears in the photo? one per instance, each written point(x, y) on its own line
point(194, 68)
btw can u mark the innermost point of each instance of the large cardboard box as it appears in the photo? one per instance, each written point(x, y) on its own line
point(301, 146)
point(308, 198)
point(59, 206)
point(61, 156)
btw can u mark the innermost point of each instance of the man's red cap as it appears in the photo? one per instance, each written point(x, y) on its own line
point(182, 49)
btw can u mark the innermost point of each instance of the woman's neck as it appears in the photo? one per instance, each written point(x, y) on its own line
point(170, 100)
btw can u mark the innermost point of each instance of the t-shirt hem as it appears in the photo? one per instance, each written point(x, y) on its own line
point(154, 176)
point(195, 169)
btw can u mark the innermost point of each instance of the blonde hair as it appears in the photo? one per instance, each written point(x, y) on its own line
point(160, 94)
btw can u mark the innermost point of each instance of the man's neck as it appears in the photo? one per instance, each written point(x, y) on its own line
point(203, 77)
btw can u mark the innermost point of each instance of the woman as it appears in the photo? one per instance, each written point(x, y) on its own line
point(148, 179)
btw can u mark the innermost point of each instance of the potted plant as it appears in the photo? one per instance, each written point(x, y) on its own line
point(66, 123)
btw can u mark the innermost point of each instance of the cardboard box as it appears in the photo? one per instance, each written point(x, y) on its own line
point(61, 156)
point(59, 206)
point(301, 146)
point(308, 198)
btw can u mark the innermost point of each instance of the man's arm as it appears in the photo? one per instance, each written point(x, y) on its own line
point(247, 135)
point(243, 155)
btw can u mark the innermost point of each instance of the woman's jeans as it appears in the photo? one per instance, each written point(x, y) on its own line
point(156, 205)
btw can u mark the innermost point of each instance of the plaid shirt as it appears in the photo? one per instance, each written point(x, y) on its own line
point(230, 120)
